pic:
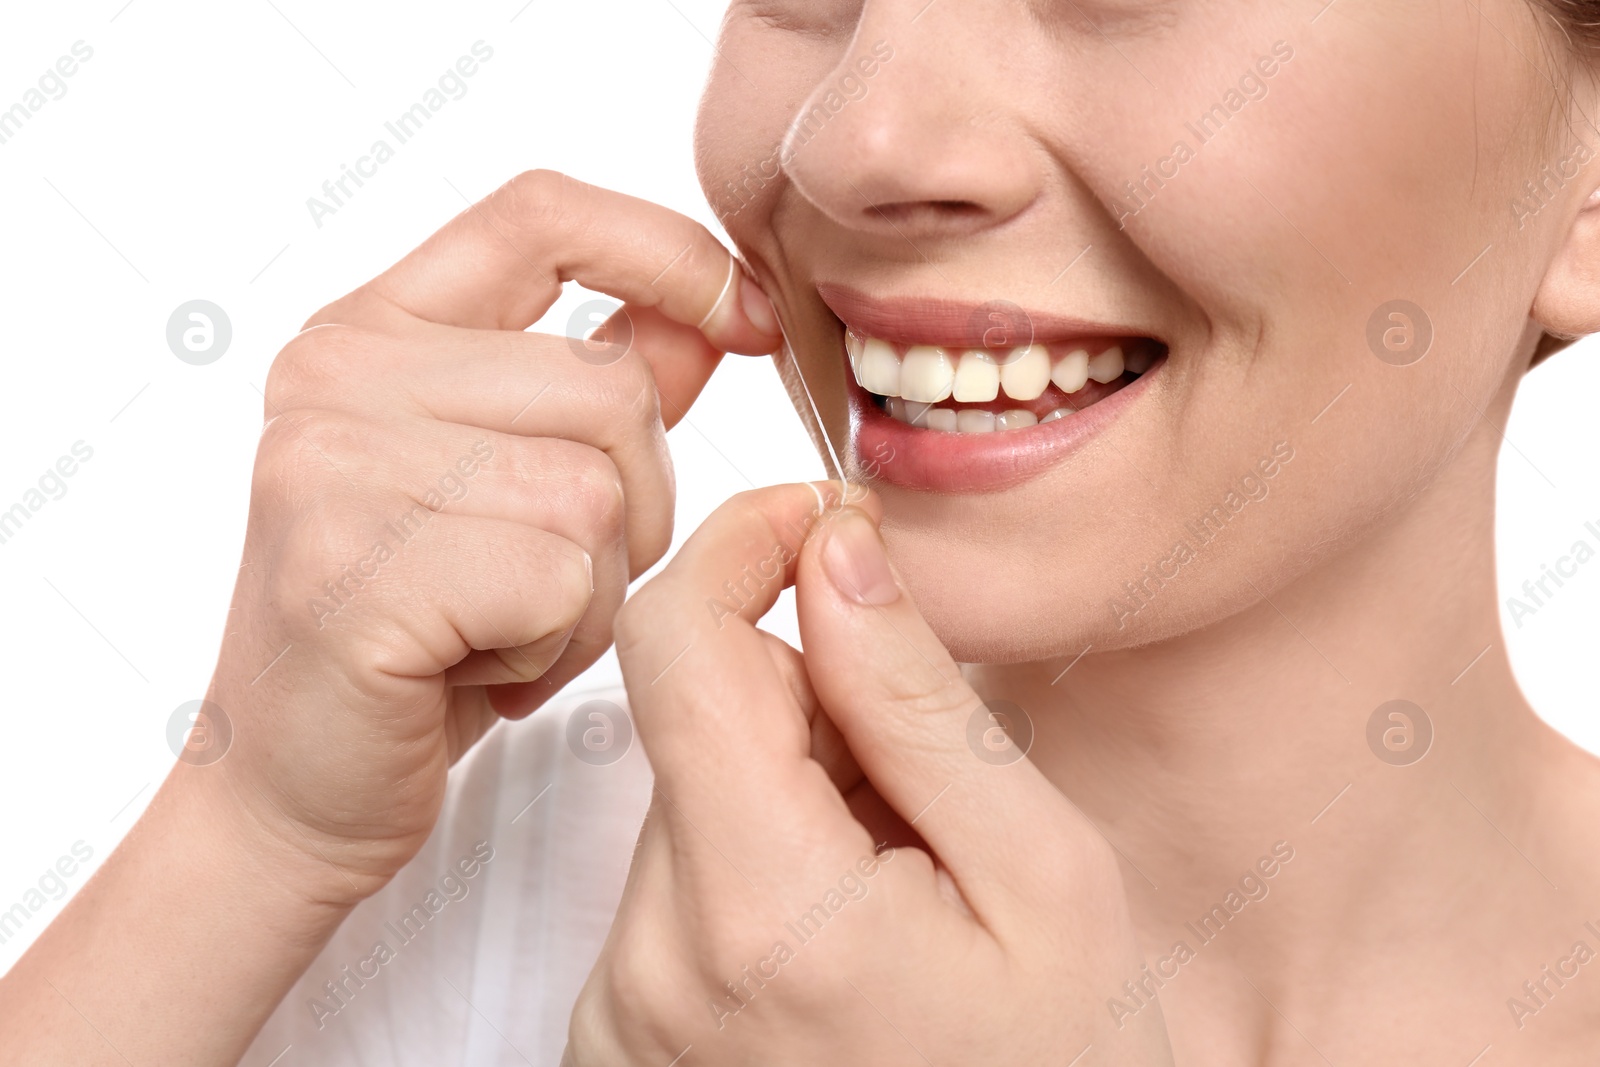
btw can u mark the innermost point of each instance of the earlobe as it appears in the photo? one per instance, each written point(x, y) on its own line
point(1567, 304)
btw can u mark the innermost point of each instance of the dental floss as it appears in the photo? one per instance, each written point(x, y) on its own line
point(830, 460)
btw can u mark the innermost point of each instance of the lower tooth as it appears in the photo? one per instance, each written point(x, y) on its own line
point(1013, 420)
point(917, 414)
point(1058, 413)
point(942, 419)
point(973, 420)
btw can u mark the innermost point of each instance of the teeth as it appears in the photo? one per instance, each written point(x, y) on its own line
point(1026, 372)
point(1071, 371)
point(974, 420)
point(967, 420)
point(879, 369)
point(977, 378)
point(929, 373)
point(853, 345)
point(926, 374)
point(1107, 366)
point(914, 384)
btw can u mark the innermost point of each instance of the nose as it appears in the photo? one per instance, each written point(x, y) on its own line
point(911, 132)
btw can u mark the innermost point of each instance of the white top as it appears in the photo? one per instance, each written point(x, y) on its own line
point(475, 953)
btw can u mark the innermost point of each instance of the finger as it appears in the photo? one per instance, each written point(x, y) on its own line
point(501, 667)
point(681, 359)
point(722, 728)
point(501, 263)
point(923, 738)
point(518, 384)
point(828, 746)
point(560, 487)
point(463, 584)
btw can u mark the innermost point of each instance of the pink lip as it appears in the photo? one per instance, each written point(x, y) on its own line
point(959, 324)
point(934, 461)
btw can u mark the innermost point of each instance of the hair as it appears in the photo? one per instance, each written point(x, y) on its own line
point(1579, 19)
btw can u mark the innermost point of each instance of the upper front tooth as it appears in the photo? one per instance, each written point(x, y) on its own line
point(1071, 371)
point(1026, 372)
point(977, 377)
point(878, 369)
point(926, 374)
point(1107, 366)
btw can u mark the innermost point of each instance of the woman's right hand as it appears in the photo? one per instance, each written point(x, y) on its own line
point(447, 510)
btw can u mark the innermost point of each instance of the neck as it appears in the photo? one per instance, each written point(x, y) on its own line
point(1197, 755)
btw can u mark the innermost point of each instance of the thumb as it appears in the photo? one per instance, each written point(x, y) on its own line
point(948, 763)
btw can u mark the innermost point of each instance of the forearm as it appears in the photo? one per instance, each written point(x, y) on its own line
point(177, 950)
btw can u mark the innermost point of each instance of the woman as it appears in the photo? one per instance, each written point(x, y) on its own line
point(1217, 308)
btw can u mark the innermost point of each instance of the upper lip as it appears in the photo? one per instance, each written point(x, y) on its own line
point(956, 323)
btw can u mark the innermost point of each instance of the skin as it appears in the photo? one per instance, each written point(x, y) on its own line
point(1227, 716)
point(1229, 712)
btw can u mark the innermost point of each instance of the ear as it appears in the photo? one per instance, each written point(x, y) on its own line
point(1567, 303)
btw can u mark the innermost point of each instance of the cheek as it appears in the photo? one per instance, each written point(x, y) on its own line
point(1364, 177)
point(740, 127)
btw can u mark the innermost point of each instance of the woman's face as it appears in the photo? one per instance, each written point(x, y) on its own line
point(1249, 185)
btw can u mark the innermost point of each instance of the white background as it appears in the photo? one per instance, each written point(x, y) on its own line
point(177, 166)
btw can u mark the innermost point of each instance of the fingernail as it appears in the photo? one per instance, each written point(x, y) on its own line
point(757, 308)
point(855, 560)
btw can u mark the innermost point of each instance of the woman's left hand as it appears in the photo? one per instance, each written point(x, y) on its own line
point(830, 873)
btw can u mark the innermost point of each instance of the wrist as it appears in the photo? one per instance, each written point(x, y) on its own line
point(199, 903)
point(248, 835)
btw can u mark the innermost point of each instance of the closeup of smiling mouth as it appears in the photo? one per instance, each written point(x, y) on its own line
point(948, 396)
point(983, 390)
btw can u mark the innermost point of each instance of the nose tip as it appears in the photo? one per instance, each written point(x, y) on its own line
point(918, 154)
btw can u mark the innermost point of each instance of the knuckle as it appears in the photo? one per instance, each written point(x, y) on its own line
point(628, 386)
point(923, 697)
point(596, 487)
point(314, 362)
point(319, 545)
point(296, 465)
point(535, 197)
point(310, 439)
point(744, 511)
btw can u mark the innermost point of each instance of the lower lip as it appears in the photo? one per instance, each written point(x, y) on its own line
point(911, 457)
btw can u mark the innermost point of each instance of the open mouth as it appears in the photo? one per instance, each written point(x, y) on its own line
point(988, 390)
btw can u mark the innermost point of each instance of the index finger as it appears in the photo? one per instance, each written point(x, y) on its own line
point(500, 264)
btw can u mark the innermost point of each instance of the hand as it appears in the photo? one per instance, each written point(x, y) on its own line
point(446, 510)
point(782, 907)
